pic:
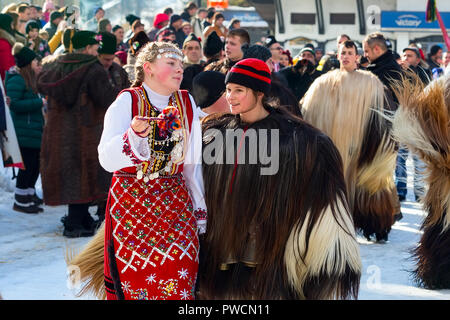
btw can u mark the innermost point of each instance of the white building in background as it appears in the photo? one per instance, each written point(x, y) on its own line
point(298, 22)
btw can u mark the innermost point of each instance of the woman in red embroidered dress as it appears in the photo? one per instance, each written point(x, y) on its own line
point(155, 204)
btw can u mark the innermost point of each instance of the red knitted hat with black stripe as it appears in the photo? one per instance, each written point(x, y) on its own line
point(251, 73)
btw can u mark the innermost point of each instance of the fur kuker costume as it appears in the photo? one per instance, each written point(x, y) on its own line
point(423, 124)
point(287, 235)
point(349, 107)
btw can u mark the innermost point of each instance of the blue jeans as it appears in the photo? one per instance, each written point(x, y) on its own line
point(401, 174)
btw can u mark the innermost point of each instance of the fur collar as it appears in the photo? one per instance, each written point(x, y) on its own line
point(7, 36)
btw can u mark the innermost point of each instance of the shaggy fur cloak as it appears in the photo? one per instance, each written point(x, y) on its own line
point(349, 107)
point(79, 94)
point(423, 124)
point(287, 235)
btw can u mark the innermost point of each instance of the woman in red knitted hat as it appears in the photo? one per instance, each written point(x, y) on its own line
point(278, 225)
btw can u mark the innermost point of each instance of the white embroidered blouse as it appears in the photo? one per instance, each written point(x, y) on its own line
point(112, 158)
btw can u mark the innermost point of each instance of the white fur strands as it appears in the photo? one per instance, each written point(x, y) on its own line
point(333, 255)
point(90, 262)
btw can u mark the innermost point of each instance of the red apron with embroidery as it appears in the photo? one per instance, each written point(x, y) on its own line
point(152, 231)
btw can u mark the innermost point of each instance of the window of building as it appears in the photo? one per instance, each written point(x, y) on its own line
point(342, 18)
point(303, 18)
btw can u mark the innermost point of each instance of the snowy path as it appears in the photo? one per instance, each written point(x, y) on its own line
point(32, 252)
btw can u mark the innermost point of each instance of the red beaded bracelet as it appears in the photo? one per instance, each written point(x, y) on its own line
point(140, 132)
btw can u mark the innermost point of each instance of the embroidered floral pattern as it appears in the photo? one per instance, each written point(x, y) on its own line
point(127, 149)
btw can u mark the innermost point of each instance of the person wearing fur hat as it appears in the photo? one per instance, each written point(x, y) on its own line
point(161, 20)
point(254, 246)
point(7, 41)
point(79, 92)
point(27, 113)
point(35, 42)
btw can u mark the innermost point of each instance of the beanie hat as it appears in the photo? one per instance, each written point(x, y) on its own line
point(32, 24)
point(131, 18)
point(174, 18)
point(207, 88)
point(55, 15)
point(84, 38)
point(138, 41)
point(256, 51)
point(270, 40)
point(23, 55)
point(160, 18)
point(308, 49)
point(191, 37)
point(108, 43)
point(251, 73)
point(213, 45)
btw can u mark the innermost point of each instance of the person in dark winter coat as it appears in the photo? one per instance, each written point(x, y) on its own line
point(382, 61)
point(299, 77)
point(27, 113)
point(386, 68)
point(79, 94)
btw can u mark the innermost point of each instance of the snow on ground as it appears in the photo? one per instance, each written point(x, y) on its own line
point(32, 251)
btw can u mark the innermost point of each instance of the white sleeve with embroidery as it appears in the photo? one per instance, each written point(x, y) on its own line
point(119, 146)
point(192, 170)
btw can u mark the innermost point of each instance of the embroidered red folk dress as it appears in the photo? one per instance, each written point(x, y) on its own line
point(151, 240)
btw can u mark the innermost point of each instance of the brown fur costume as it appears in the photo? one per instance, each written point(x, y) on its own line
point(79, 94)
point(423, 124)
point(282, 236)
point(349, 107)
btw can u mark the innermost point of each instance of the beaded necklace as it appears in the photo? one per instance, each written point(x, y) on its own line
point(164, 151)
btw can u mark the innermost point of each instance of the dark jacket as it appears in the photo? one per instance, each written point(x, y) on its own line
point(26, 110)
point(297, 78)
point(387, 70)
point(423, 74)
point(79, 93)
